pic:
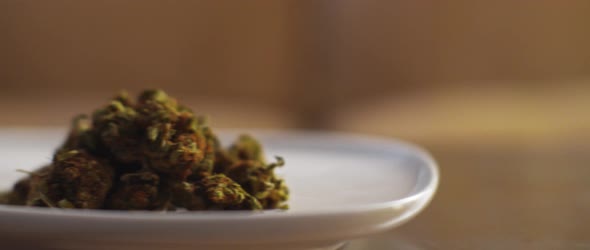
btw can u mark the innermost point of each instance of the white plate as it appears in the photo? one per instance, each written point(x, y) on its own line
point(343, 187)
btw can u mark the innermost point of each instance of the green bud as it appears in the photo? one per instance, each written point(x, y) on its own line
point(152, 154)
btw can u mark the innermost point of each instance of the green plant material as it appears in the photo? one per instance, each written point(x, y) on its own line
point(244, 163)
point(79, 180)
point(24, 188)
point(207, 165)
point(215, 192)
point(246, 148)
point(116, 130)
point(259, 180)
point(172, 144)
point(136, 191)
point(151, 154)
point(5, 197)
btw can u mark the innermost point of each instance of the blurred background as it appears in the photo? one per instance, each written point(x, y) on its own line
point(499, 91)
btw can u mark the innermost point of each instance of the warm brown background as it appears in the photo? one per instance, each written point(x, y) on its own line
point(499, 91)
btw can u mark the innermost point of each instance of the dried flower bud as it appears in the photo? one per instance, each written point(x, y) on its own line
point(216, 192)
point(184, 195)
point(26, 187)
point(79, 179)
point(136, 191)
point(206, 165)
point(116, 129)
point(149, 155)
point(260, 181)
point(246, 148)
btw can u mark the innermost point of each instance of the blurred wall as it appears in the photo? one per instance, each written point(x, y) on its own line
point(211, 48)
point(64, 54)
point(283, 63)
point(400, 45)
point(459, 70)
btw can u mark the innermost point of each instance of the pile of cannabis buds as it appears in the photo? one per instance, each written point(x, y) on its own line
point(153, 154)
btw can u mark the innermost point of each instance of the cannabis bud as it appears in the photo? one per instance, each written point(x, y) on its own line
point(151, 154)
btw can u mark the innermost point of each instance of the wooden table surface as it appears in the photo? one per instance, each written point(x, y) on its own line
point(502, 196)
